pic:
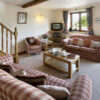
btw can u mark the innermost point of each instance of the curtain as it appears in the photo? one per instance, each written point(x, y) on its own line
point(90, 21)
point(65, 18)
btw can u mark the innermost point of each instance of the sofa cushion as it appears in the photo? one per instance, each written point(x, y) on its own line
point(59, 93)
point(80, 42)
point(89, 50)
point(71, 41)
point(39, 80)
point(7, 59)
point(20, 72)
point(6, 68)
point(34, 47)
point(75, 40)
point(87, 42)
point(94, 44)
point(74, 47)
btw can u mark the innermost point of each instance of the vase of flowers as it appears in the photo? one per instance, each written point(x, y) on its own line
point(45, 36)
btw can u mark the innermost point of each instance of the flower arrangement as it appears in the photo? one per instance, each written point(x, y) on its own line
point(45, 36)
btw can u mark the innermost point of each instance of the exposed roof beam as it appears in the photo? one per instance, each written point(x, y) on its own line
point(32, 3)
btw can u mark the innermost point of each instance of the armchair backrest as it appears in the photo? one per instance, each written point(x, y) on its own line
point(31, 40)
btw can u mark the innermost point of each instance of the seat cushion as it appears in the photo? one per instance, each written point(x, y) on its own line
point(34, 47)
point(73, 47)
point(94, 44)
point(89, 50)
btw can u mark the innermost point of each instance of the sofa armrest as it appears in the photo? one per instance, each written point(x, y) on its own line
point(38, 42)
point(65, 41)
point(81, 89)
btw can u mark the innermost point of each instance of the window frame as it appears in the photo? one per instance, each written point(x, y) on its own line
point(79, 21)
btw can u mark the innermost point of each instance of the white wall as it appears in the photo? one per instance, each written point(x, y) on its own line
point(8, 16)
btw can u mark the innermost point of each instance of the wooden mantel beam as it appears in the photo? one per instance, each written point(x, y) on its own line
point(32, 3)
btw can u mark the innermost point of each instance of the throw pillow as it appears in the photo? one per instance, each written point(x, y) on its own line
point(70, 41)
point(87, 42)
point(94, 44)
point(75, 41)
point(20, 72)
point(6, 60)
point(59, 93)
point(80, 42)
point(39, 80)
point(6, 68)
point(31, 40)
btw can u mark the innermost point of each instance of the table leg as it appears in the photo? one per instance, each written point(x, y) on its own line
point(78, 64)
point(52, 45)
point(70, 70)
point(46, 46)
point(43, 58)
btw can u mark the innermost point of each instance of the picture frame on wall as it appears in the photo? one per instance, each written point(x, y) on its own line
point(97, 20)
point(21, 18)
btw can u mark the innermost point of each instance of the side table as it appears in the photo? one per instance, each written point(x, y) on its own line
point(47, 45)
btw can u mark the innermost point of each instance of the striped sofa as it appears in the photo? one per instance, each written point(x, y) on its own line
point(85, 52)
point(13, 89)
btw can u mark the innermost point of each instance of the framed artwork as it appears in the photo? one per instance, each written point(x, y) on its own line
point(97, 20)
point(21, 18)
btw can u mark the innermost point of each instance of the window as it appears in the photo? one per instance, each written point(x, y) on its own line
point(79, 21)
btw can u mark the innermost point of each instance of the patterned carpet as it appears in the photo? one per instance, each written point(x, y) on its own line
point(86, 67)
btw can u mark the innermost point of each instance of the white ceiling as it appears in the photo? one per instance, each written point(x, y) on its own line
point(17, 2)
point(56, 4)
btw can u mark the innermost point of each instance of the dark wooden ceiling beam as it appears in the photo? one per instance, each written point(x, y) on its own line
point(32, 3)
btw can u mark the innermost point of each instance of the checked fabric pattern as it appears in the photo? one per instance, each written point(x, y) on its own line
point(81, 89)
point(84, 51)
point(8, 59)
point(21, 90)
point(50, 79)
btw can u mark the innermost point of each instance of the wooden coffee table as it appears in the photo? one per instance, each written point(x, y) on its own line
point(61, 63)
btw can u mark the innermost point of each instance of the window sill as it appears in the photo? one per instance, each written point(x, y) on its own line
point(78, 32)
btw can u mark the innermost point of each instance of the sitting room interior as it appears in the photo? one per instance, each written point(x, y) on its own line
point(49, 49)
